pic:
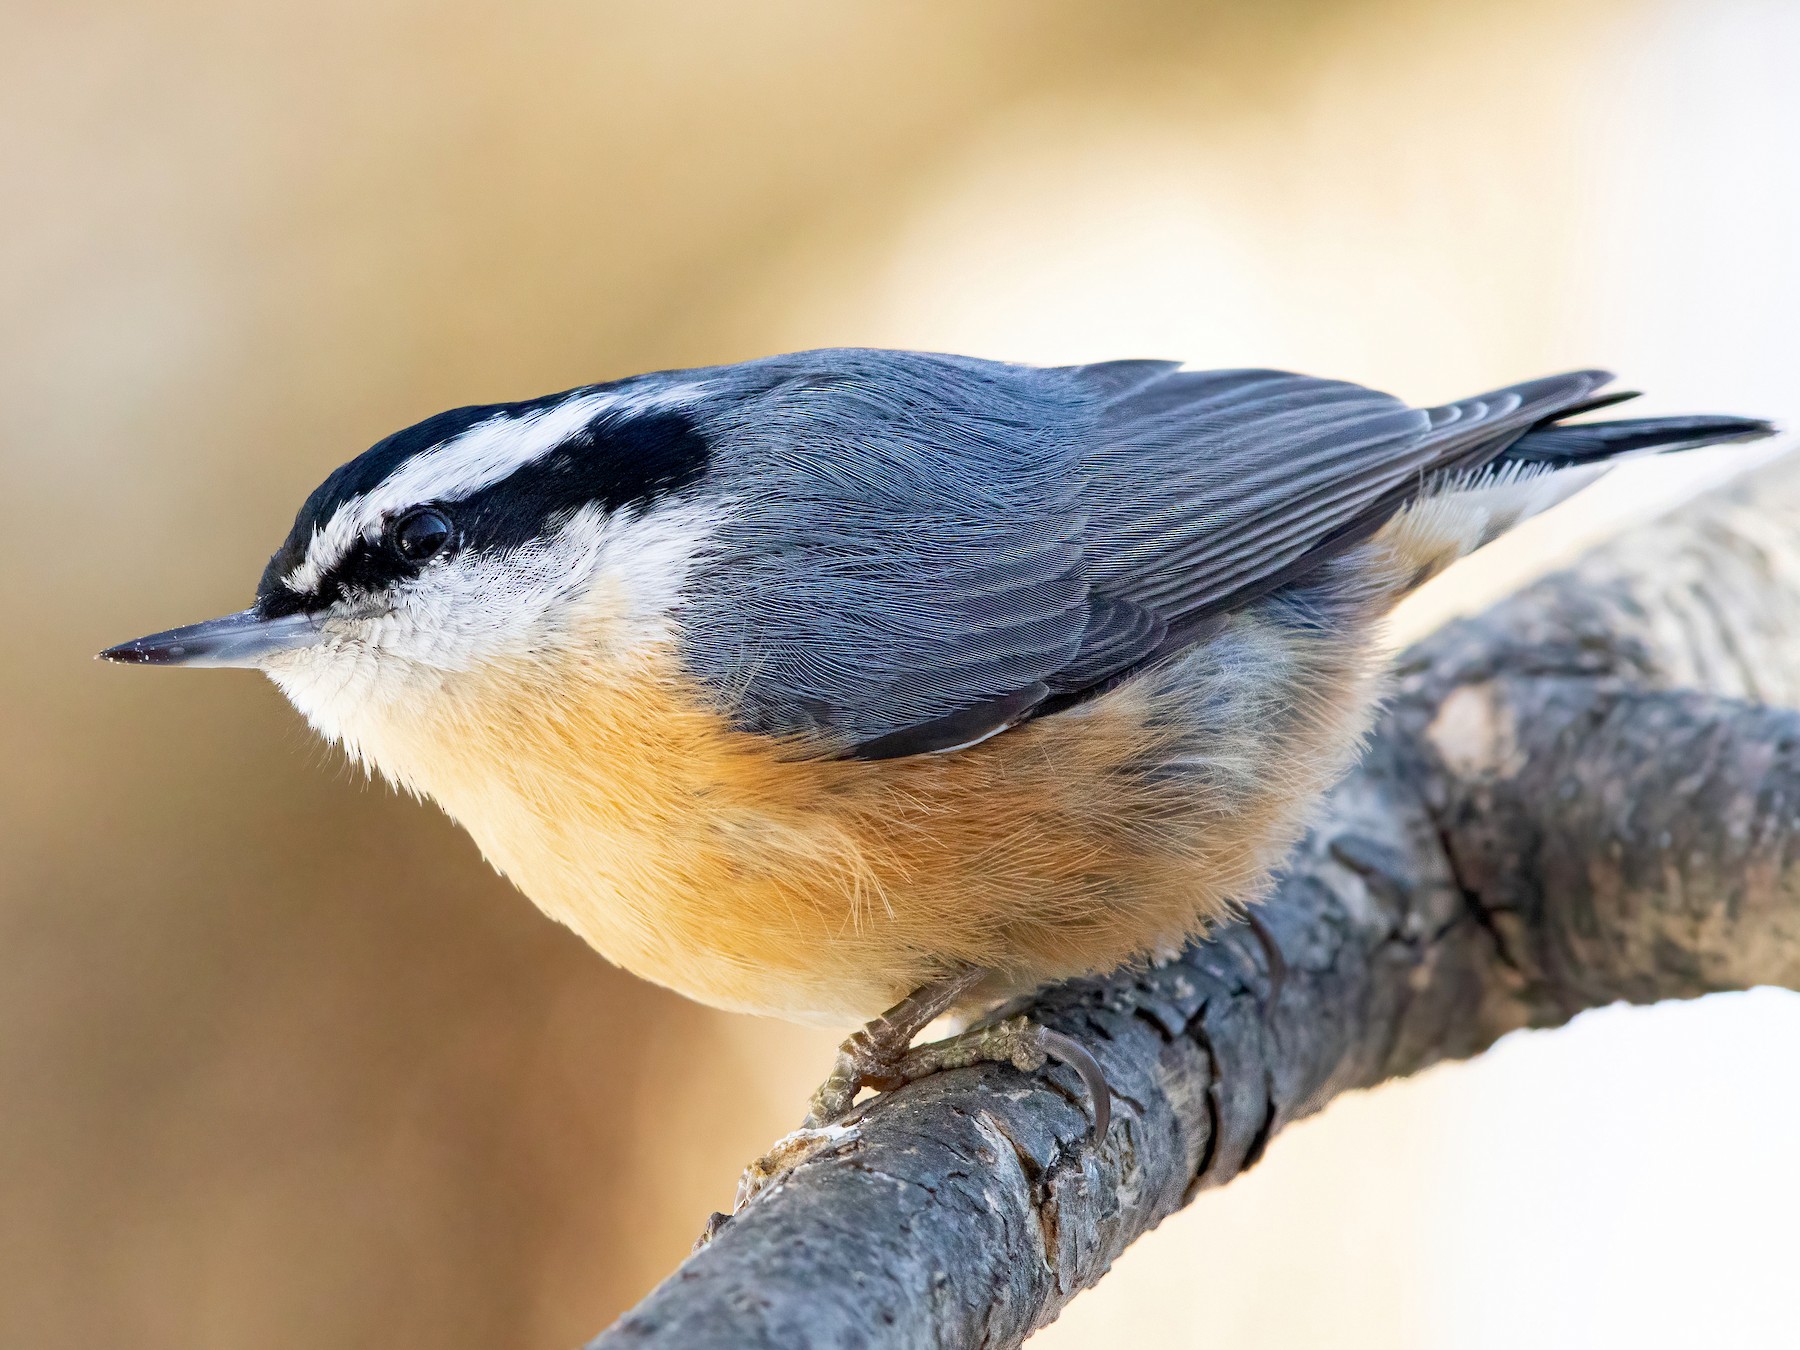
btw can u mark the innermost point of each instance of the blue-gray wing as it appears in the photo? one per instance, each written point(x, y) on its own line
point(929, 549)
point(1207, 488)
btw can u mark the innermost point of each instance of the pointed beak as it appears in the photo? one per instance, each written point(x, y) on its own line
point(241, 639)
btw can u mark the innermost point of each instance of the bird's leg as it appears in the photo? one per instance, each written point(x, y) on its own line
point(871, 1057)
point(882, 1056)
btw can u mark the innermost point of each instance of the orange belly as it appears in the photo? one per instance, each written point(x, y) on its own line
point(739, 871)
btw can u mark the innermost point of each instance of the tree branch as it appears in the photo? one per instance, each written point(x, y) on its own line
point(1571, 801)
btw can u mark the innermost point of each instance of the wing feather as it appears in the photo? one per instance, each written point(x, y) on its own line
point(943, 547)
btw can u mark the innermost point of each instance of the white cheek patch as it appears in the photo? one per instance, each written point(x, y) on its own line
point(608, 583)
point(630, 568)
point(480, 457)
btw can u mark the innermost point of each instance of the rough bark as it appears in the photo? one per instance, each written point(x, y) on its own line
point(1589, 793)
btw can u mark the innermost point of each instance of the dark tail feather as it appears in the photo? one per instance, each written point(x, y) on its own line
point(1584, 442)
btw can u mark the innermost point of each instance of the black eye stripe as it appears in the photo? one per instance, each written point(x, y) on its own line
point(620, 460)
point(613, 463)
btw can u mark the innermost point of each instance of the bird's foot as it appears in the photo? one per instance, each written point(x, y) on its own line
point(872, 1056)
point(1017, 1041)
point(869, 1058)
point(882, 1056)
point(776, 1165)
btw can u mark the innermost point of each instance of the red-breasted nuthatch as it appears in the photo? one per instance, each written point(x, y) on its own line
point(804, 684)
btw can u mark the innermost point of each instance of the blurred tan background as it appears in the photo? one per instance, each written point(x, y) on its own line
point(283, 1065)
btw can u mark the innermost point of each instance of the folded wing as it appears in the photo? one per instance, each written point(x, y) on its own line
point(949, 546)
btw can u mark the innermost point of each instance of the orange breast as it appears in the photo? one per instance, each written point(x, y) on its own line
point(736, 869)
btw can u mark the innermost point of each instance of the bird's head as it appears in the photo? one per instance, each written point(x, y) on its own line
point(504, 534)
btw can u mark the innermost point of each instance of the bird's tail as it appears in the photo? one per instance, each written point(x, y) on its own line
point(1547, 465)
point(1560, 443)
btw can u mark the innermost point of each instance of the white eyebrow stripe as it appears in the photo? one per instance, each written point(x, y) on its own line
point(477, 458)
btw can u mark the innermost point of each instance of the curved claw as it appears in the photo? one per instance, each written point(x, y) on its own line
point(1277, 959)
point(1067, 1050)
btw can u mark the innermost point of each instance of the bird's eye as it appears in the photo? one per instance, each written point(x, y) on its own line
point(419, 534)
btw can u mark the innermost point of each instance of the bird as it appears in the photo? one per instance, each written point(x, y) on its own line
point(858, 686)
